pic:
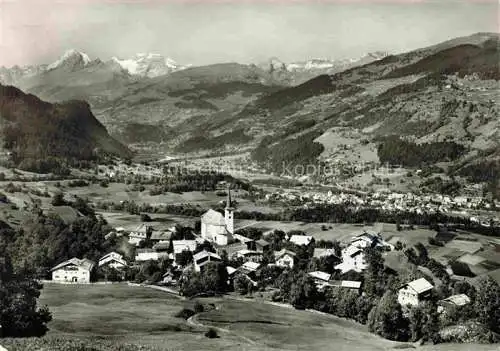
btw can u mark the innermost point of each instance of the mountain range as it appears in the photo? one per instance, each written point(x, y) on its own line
point(445, 93)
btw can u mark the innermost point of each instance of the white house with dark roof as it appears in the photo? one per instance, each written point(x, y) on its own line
point(284, 258)
point(74, 270)
point(113, 260)
point(219, 228)
point(414, 292)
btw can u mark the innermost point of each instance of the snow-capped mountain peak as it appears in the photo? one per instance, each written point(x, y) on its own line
point(148, 65)
point(72, 57)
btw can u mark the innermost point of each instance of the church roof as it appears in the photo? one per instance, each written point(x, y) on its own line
point(213, 217)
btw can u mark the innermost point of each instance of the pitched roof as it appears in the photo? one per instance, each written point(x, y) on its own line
point(262, 242)
point(420, 285)
point(250, 266)
point(457, 300)
point(213, 217)
point(230, 270)
point(320, 275)
point(204, 254)
point(112, 256)
point(320, 252)
point(350, 284)
point(300, 239)
point(183, 245)
point(159, 235)
point(283, 252)
point(83, 263)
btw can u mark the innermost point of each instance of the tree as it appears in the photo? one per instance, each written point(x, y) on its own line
point(487, 304)
point(19, 313)
point(58, 199)
point(387, 320)
point(184, 258)
point(303, 291)
point(214, 277)
point(241, 284)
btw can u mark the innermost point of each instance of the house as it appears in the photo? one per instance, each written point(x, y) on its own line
point(346, 284)
point(149, 255)
point(320, 278)
point(353, 259)
point(113, 260)
point(218, 228)
point(249, 267)
point(374, 240)
point(320, 252)
point(458, 300)
point(414, 292)
point(159, 236)
point(301, 240)
point(284, 258)
point(203, 258)
point(351, 284)
point(139, 234)
point(260, 245)
point(249, 255)
point(74, 270)
point(183, 245)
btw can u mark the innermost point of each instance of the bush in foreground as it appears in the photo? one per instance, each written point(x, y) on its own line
point(211, 333)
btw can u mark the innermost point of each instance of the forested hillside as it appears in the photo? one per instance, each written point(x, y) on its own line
point(47, 137)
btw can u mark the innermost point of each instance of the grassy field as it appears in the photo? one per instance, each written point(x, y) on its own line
point(98, 317)
point(138, 315)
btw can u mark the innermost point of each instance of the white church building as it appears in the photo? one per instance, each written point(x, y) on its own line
point(218, 228)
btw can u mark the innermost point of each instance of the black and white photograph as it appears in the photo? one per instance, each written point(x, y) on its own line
point(249, 175)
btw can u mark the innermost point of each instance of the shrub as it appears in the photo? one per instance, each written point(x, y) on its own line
point(211, 333)
point(185, 313)
point(198, 307)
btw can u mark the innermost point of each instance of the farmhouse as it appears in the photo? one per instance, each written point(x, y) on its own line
point(204, 257)
point(353, 259)
point(113, 260)
point(218, 228)
point(458, 300)
point(139, 234)
point(74, 270)
point(414, 292)
point(320, 278)
point(284, 258)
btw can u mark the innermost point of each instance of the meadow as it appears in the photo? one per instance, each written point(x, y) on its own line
point(146, 318)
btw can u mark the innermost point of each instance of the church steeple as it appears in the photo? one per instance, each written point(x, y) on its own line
point(229, 213)
point(229, 204)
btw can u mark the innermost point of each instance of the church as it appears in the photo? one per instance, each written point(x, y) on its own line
point(217, 228)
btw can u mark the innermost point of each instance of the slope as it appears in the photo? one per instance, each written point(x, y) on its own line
point(40, 135)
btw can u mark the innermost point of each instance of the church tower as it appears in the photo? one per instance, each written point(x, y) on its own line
point(229, 213)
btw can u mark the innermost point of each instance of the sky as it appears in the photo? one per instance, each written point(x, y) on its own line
point(247, 31)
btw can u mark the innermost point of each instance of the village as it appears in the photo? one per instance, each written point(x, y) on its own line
point(457, 258)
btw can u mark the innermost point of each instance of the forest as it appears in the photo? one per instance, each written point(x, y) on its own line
point(396, 151)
